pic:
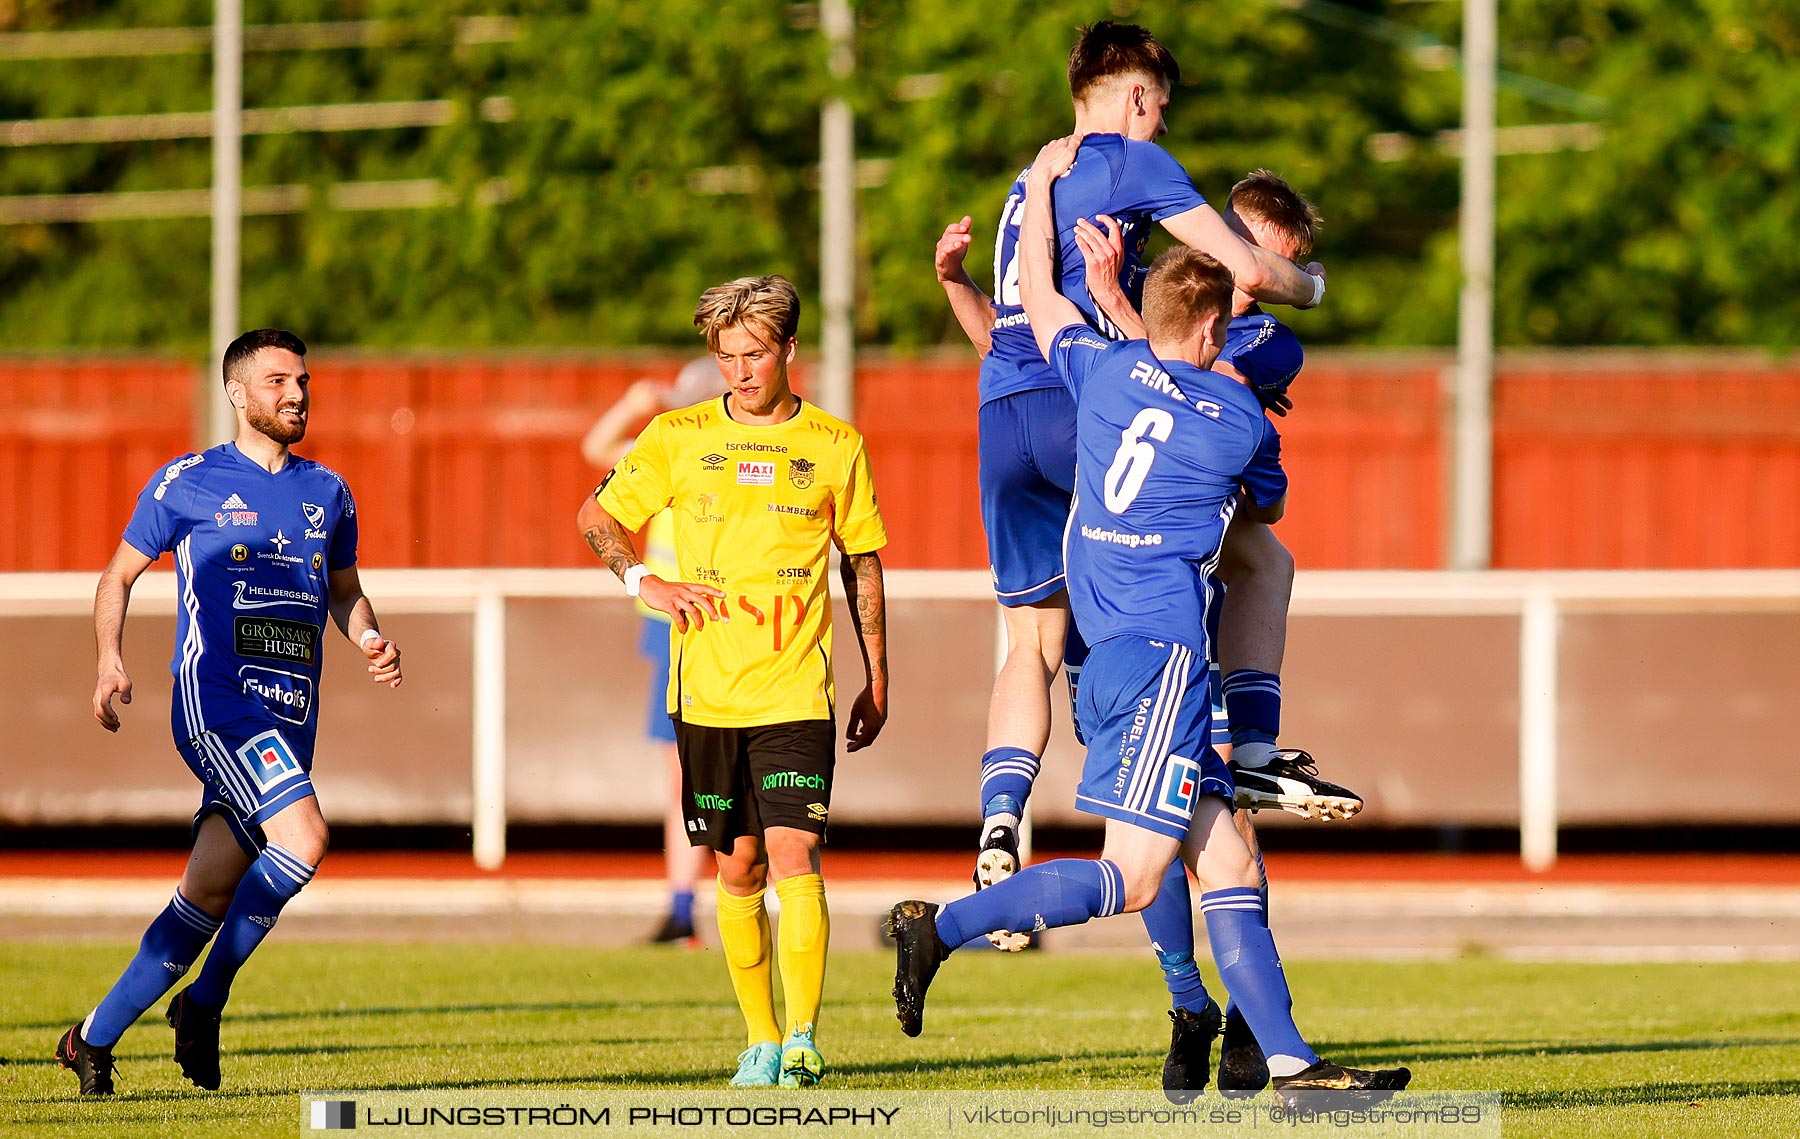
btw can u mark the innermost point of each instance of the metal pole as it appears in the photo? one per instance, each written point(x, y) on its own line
point(1539, 633)
point(1472, 506)
point(837, 221)
point(487, 824)
point(217, 422)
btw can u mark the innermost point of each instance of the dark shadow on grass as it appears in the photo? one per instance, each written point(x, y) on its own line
point(1631, 1094)
point(1351, 1051)
point(434, 1010)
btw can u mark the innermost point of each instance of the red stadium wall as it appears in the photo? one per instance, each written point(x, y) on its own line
point(1602, 460)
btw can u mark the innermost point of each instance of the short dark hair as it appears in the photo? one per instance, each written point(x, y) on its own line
point(1268, 198)
point(1185, 288)
point(240, 351)
point(1109, 48)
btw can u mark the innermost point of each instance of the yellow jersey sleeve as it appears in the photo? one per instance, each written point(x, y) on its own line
point(639, 486)
point(858, 526)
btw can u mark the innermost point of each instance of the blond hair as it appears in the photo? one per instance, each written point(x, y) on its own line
point(769, 307)
point(1266, 197)
point(1185, 289)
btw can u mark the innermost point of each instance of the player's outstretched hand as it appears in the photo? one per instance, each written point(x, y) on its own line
point(384, 660)
point(685, 602)
point(1103, 251)
point(1056, 158)
point(112, 682)
point(867, 716)
point(952, 247)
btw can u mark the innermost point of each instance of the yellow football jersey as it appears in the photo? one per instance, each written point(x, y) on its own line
point(756, 509)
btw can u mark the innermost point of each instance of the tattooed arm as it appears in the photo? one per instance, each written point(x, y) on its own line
point(868, 603)
point(684, 602)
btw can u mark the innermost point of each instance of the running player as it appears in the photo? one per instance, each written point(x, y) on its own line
point(265, 550)
point(761, 485)
point(1119, 78)
point(1164, 448)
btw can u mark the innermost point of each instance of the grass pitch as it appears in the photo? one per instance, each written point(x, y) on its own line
point(1577, 1050)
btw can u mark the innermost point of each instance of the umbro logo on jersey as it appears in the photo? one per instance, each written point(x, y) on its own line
point(714, 461)
point(234, 511)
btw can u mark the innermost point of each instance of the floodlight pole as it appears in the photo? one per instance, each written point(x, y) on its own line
point(215, 419)
point(1472, 482)
point(836, 392)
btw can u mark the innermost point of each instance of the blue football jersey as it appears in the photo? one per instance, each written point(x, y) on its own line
point(252, 553)
point(1135, 182)
point(1264, 351)
point(1162, 449)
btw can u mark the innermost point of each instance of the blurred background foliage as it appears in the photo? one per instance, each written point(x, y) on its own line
point(653, 149)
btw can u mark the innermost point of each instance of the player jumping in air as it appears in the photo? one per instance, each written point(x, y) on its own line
point(1119, 77)
point(761, 484)
point(1164, 447)
point(265, 551)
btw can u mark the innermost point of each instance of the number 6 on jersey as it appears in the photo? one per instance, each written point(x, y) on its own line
point(1131, 466)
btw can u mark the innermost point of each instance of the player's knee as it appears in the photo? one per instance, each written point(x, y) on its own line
point(1141, 886)
point(743, 874)
point(793, 855)
point(1226, 869)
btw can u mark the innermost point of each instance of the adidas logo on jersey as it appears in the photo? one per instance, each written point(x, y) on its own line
point(235, 502)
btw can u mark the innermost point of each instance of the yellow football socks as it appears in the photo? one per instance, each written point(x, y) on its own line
point(744, 935)
point(805, 934)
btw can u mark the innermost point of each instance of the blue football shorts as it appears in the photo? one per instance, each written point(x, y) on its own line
point(249, 769)
point(1146, 708)
point(653, 646)
point(1027, 478)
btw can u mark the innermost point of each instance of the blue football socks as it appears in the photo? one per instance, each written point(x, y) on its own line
point(1169, 920)
point(1253, 710)
point(171, 944)
point(1065, 891)
point(1007, 774)
point(681, 906)
point(1251, 970)
point(272, 881)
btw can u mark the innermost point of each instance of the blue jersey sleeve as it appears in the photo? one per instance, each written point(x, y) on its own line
point(1263, 476)
point(157, 522)
point(1074, 354)
point(1151, 181)
point(1269, 359)
point(342, 553)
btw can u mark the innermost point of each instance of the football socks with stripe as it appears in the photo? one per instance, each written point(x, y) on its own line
point(273, 880)
point(171, 944)
point(1250, 967)
point(1065, 891)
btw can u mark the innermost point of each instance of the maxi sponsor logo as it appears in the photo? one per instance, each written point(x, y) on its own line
point(287, 695)
point(276, 638)
point(750, 473)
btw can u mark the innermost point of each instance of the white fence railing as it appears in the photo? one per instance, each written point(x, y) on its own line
point(1538, 600)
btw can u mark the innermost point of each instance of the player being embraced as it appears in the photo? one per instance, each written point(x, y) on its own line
point(265, 552)
point(1263, 354)
point(1120, 79)
point(761, 484)
point(1164, 447)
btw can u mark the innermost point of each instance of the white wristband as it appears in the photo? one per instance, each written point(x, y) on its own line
point(634, 579)
point(1318, 293)
point(367, 636)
